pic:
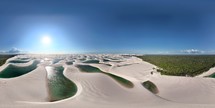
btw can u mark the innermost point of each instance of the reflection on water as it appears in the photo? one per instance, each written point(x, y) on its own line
point(150, 86)
point(59, 87)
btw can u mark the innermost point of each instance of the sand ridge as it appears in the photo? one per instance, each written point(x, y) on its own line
point(96, 90)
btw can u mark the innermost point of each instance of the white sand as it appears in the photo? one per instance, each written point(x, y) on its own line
point(97, 90)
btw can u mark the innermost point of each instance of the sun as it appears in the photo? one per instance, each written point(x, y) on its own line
point(46, 40)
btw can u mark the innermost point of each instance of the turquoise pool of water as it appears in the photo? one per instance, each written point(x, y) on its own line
point(14, 71)
point(59, 86)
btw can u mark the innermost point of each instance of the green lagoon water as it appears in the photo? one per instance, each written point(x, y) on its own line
point(150, 86)
point(121, 80)
point(91, 69)
point(212, 75)
point(69, 62)
point(59, 86)
point(92, 61)
point(18, 61)
point(87, 68)
point(15, 71)
point(23, 58)
point(106, 60)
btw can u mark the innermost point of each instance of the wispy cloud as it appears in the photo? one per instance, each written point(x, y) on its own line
point(13, 51)
point(192, 51)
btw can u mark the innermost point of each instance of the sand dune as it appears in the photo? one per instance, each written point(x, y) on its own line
point(186, 90)
point(97, 90)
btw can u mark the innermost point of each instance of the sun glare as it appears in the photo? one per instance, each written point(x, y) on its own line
point(46, 40)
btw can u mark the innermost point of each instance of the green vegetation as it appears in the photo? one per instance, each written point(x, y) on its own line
point(181, 65)
point(91, 61)
point(150, 86)
point(91, 69)
point(3, 58)
point(15, 71)
point(59, 86)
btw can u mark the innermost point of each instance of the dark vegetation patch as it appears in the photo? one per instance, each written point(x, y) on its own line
point(3, 58)
point(181, 65)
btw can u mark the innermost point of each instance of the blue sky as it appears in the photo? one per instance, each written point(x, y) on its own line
point(108, 26)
